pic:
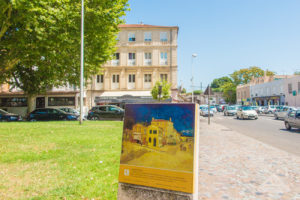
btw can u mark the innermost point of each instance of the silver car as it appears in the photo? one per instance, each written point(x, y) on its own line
point(281, 113)
point(230, 110)
point(292, 120)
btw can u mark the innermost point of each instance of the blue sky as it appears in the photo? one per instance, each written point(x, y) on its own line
point(182, 115)
point(227, 34)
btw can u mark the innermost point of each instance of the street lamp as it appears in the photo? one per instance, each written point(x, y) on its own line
point(81, 61)
point(194, 55)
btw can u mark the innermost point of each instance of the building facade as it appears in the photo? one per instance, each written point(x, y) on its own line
point(145, 54)
point(243, 94)
point(292, 91)
point(270, 93)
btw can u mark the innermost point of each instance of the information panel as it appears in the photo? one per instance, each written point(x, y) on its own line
point(158, 146)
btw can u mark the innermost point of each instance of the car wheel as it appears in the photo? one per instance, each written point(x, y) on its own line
point(95, 118)
point(287, 126)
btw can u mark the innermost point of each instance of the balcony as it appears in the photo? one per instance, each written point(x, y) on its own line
point(131, 62)
point(163, 62)
point(147, 62)
point(115, 62)
point(130, 86)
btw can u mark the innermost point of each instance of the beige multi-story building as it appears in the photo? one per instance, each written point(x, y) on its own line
point(145, 54)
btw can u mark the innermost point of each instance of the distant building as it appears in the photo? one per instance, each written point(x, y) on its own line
point(292, 91)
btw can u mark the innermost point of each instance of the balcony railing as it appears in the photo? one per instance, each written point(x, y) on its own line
point(163, 62)
point(115, 62)
point(131, 62)
point(147, 62)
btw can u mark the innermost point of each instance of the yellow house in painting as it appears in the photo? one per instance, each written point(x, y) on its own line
point(169, 132)
point(138, 134)
point(154, 136)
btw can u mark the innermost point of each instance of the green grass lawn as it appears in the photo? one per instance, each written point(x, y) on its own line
point(59, 160)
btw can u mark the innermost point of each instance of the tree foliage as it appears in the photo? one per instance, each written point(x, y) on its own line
point(228, 85)
point(183, 91)
point(40, 40)
point(243, 76)
point(165, 92)
point(217, 83)
point(197, 92)
point(297, 73)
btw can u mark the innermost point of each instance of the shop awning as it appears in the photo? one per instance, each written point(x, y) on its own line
point(126, 93)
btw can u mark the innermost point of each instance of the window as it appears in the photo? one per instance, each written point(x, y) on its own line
point(298, 114)
point(131, 59)
point(110, 108)
point(102, 109)
point(115, 78)
point(13, 102)
point(116, 56)
point(147, 36)
point(148, 59)
point(100, 78)
point(131, 37)
point(61, 101)
point(149, 139)
point(154, 131)
point(163, 58)
point(163, 37)
point(150, 131)
point(147, 78)
point(131, 78)
point(131, 56)
point(116, 59)
point(290, 88)
point(164, 77)
point(292, 114)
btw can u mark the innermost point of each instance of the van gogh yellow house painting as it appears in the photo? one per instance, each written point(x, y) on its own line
point(158, 136)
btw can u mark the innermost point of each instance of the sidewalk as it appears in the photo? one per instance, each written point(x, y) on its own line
point(235, 167)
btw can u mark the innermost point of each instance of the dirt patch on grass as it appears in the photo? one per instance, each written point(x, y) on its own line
point(27, 180)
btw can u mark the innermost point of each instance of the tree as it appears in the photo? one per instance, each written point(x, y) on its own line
point(197, 92)
point(165, 91)
point(229, 92)
point(243, 76)
point(297, 73)
point(183, 91)
point(217, 83)
point(40, 41)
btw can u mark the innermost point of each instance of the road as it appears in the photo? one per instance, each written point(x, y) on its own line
point(266, 129)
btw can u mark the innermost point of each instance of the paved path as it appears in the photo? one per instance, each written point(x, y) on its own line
point(234, 166)
point(266, 129)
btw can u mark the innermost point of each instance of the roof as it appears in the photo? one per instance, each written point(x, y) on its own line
point(144, 26)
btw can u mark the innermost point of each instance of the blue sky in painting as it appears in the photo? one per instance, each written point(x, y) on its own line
point(182, 115)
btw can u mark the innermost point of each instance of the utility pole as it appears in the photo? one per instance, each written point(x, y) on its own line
point(82, 61)
point(194, 55)
point(208, 104)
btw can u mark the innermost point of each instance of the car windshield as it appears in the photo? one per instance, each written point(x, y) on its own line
point(231, 108)
point(204, 108)
point(247, 108)
point(3, 112)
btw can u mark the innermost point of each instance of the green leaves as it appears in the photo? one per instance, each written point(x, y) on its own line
point(165, 90)
point(46, 34)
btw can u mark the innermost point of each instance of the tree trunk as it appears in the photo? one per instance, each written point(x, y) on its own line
point(30, 103)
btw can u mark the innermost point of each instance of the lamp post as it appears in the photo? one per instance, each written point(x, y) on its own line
point(194, 55)
point(81, 61)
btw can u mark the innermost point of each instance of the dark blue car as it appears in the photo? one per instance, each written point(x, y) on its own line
point(9, 117)
point(50, 114)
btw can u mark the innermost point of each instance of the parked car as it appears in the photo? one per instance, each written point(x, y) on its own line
point(281, 113)
point(230, 110)
point(50, 114)
point(260, 109)
point(246, 112)
point(220, 108)
point(204, 112)
point(106, 112)
point(292, 120)
point(9, 117)
point(70, 110)
point(270, 109)
point(213, 108)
